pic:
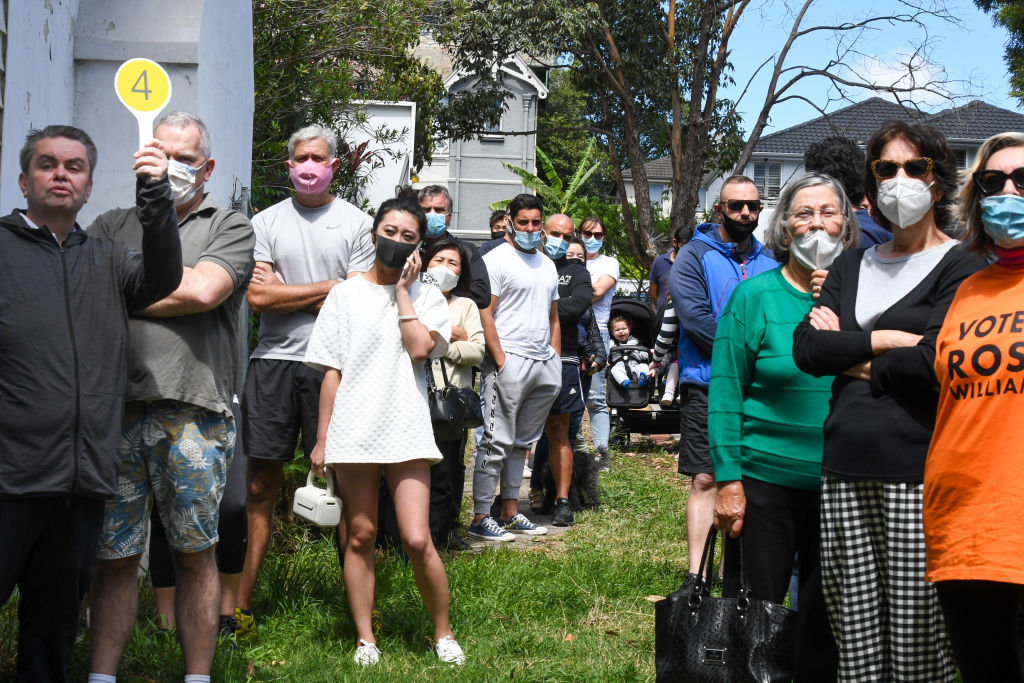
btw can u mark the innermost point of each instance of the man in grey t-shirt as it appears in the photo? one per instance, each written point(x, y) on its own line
point(178, 434)
point(304, 246)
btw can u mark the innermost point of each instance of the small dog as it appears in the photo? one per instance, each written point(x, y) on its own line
point(583, 493)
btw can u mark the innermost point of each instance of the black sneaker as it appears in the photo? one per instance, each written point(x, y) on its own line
point(563, 513)
point(228, 626)
point(457, 543)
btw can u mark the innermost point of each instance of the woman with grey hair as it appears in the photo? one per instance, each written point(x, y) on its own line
point(765, 416)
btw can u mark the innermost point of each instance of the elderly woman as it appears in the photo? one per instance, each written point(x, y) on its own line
point(765, 415)
point(874, 329)
point(974, 477)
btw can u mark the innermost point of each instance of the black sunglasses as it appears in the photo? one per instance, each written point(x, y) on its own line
point(991, 181)
point(736, 205)
point(915, 168)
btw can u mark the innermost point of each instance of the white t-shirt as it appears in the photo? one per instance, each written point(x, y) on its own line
point(307, 245)
point(603, 265)
point(884, 280)
point(525, 285)
point(380, 412)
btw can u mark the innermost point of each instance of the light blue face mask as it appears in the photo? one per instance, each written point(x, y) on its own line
point(1003, 218)
point(592, 244)
point(435, 225)
point(527, 240)
point(555, 247)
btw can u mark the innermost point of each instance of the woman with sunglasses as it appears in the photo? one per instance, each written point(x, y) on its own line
point(974, 479)
point(604, 275)
point(874, 329)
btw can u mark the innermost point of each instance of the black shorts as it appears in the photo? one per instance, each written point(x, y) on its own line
point(570, 398)
point(281, 399)
point(694, 451)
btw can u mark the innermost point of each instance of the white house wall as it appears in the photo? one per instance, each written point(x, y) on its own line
point(62, 57)
point(40, 81)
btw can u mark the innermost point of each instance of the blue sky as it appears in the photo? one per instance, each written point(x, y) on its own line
point(971, 53)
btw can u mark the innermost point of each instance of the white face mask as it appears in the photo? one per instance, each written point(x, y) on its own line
point(446, 279)
point(183, 181)
point(816, 249)
point(904, 201)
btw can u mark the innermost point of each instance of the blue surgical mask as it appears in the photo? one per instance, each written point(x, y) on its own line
point(592, 244)
point(1003, 218)
point(555, 247)
point(435, 225)
point(527, 240)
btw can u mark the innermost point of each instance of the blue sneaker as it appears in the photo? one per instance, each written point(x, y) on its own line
point(521, 525)
point(489, 530)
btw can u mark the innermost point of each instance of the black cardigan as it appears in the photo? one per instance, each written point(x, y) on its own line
point(879, 430)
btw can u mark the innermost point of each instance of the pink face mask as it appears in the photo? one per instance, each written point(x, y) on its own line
point(310, 177)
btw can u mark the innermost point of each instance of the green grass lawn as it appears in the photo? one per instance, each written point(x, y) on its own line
point(569, 608)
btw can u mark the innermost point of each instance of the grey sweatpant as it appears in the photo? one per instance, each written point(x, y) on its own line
point(516, 404)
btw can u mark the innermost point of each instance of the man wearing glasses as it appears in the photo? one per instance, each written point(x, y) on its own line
point(436, 202)
point(705, 272)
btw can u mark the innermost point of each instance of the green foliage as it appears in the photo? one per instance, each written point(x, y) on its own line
point(556, 196)
point(565, 132)
point(312, 59)
point(1010, 15)
point(619, 81)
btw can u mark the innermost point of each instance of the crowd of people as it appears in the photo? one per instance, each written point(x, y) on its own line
point(844, 390)
point(131, 425)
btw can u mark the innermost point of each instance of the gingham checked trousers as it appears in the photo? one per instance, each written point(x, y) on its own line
point(885, 617)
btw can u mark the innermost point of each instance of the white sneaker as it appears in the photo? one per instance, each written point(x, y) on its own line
point(449, 652)
point(367, 654)
point(527, 472)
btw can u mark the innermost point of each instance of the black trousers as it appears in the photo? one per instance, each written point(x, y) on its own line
point(781, 521)
point(983, 619)
point(447, 481)
point(48, 546)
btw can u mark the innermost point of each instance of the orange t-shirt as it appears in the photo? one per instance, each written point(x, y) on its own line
point(974, 474)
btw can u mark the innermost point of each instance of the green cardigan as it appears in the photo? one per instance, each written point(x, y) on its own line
point(765, 416)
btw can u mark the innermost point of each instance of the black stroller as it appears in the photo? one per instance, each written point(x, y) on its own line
point(637, 410)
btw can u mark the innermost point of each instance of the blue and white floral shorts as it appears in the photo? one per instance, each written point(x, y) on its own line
point(179, 453)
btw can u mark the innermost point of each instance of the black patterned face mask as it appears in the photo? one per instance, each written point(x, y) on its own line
point(393, 254)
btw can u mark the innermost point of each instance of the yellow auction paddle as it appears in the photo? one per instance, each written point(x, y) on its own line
point(144, 88)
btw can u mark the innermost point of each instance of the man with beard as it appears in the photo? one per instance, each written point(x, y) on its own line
point(704, 273)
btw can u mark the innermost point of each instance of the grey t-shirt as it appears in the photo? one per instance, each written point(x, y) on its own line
point(307, 245)
point(884, 281)
point(190, 358)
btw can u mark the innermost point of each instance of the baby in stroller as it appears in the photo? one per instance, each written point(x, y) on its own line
point(627, 365)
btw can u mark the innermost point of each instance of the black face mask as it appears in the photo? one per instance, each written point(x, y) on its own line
point(738, 232)
point(393, 254)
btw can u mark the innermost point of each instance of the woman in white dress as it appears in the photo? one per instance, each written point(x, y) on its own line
point(371, 338)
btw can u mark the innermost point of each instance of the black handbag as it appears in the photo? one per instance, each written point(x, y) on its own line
point(452, 409)
point(722, 640)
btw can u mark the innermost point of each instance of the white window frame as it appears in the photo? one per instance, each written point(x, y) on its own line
point(767, 185)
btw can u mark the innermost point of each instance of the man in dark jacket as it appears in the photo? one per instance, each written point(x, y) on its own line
point(705, 271)
point(64, 304)
point(436, 202)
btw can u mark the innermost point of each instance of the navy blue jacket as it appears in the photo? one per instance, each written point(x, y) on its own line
point(705, 272)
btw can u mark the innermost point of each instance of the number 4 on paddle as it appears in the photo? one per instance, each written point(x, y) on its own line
point(144, 81)
point(144, 88)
